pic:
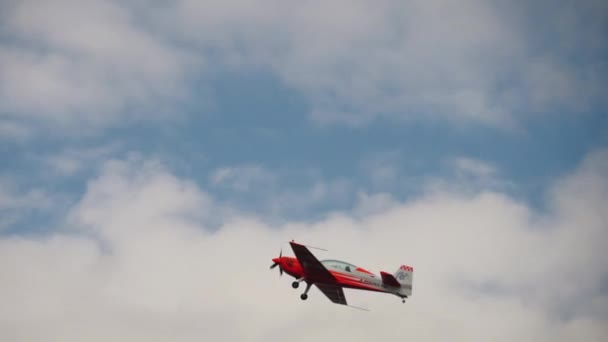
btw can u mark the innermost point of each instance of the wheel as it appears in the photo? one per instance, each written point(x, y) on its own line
point(303, 296)
point(295, 284)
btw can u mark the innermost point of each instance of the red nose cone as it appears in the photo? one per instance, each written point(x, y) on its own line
point(277, 260)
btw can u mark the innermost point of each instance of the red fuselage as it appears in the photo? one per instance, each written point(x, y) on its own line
point(357, 278)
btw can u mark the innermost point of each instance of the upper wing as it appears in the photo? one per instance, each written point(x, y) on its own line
point(334, 293)
point(313, 269)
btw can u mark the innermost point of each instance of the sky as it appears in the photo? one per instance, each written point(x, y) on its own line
point(156, 155)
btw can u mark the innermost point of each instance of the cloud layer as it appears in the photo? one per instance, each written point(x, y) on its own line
point(134, 260)
point(143, 253)
point(472, 60)
point(354, 60)
point(84, 64)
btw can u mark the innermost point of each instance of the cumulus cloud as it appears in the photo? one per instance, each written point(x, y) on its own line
point(136, 261)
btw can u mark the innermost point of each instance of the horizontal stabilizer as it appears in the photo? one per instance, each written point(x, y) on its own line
point(389, 279)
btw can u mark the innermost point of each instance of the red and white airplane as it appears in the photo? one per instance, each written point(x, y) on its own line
point(332, 276)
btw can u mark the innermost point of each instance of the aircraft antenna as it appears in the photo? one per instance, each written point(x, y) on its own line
point(321, 249)
point(356, 307)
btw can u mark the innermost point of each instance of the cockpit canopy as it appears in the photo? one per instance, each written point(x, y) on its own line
point(341, 265)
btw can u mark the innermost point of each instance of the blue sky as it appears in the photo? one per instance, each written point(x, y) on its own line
point(256, 120)
point(283, 115)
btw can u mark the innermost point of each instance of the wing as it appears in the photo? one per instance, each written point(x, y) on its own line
point(313, 269)
point(334, 293)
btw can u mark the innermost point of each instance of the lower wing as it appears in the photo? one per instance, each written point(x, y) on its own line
point(334, 293)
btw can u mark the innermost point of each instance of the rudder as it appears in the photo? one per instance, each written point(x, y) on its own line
point(405, 277)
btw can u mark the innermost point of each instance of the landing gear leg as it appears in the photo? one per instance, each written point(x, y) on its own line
point(304, 295)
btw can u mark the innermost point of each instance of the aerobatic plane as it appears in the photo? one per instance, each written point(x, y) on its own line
point(332, 276)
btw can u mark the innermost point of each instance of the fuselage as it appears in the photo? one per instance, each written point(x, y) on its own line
point(346, 275)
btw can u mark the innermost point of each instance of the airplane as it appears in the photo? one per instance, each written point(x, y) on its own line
point(332, 276)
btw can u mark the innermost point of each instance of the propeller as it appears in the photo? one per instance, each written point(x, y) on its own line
point(277, 264)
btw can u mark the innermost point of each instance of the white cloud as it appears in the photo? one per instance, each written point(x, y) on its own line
point(470, 60)
point(74, 159)
point(134, 262)
point(31, 199)
point(111, 68)
point(354, 60)
point(13, 131)
point(274, 194)
point(473, 167)
point(303, 201)
point(370, 204)
point(382, 168)
point(16, 203)
point(243, 177)
point(470, 175)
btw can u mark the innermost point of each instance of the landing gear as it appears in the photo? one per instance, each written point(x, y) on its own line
point(296, 282)
point(403, 300)
point(304, 295)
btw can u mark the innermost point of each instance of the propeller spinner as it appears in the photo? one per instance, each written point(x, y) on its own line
point(277, 262)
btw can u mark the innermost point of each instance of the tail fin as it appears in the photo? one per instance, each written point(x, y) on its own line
point(405, 277)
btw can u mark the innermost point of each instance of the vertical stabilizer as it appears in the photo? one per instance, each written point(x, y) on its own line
point(405, 277)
